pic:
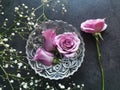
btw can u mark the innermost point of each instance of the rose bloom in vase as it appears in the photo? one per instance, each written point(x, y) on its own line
point(65, 45)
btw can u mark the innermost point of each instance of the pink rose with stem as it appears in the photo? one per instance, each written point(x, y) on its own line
point(49, 36)
point(67, 43)
point(95, 27)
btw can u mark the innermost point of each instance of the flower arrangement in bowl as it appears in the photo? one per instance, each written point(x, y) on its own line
point(55, 49)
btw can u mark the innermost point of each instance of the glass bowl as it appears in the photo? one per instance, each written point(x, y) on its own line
point(67, 66)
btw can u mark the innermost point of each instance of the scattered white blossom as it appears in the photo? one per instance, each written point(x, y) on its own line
point(6, 66)
point(21, 15)
point(36, 81)
point(16, 8)
point(31, 83)
point(13, 34)
point(11, 81)
point(28, 73)
point(20, 51)
point(48, 87)
point(20, 88)
point(24, 67)
point(61, 86)
point(7, 45)
point(25, 85)
point(82, 85)
point(26, 7)
point(11, 58)
point(6, 19)
point(19, 65)
point(15, 61)
point(45, 1)
point(1, 42)
point(31, 77)
point(58, 1)
point(18, 75)
point(47, 5)
point(5, 39)
point(28, 19)
point(18, 23)
point(0, 88)
point(78, 86)
point(2, 13)
point(68, 88)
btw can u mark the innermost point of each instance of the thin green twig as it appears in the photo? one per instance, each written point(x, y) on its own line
point(7, 77)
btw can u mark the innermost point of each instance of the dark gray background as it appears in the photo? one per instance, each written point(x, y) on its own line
point(77, 12)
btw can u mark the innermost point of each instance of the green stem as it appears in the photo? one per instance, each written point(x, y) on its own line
point(99, 61)
point(7, 77)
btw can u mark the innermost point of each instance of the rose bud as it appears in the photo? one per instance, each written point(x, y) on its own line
point(43, 57)
point(49, 36)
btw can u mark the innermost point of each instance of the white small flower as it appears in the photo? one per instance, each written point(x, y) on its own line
point(33, 14)
point(11, 58)
point(20, 51)
point(73, 84)
point(16, 8)
point(18, 23)
point(65, 10)
point(11, 50)
point(58, 1)
point(6, 66)
point(23, 4)
point(31, 77)
point(44, 1)
point(15, 61)
point(68, 88)
point(6, 19)
point(14, 50)
point(61, 86)
point(21, 15)
point(5, 24)
point(20, 88)
point(19, 65)
point(13, 34)
point(82, 85)
point(11, 81)
point(1, 42)
point(48, 87)
point(18, 75)
point(25, 86)
point(2, 13)
point(25, 67)
point(78, 86)
point(28, 19)
point(0, 88)
point(47, 5)
point(26, 7)
point(36, 81)
point(31, 83)
point(7, 45)
point(5, 39)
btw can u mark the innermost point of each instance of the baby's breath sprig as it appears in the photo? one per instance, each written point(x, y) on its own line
point(15, 70)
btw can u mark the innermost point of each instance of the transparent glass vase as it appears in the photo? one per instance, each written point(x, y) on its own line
point(67, 66)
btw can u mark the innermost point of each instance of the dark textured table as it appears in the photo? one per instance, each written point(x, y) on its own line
point(77, 12)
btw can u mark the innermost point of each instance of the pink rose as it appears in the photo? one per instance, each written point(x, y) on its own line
point(49, 36)
point(43, 57)
point(94, 26)
point(67, 43)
